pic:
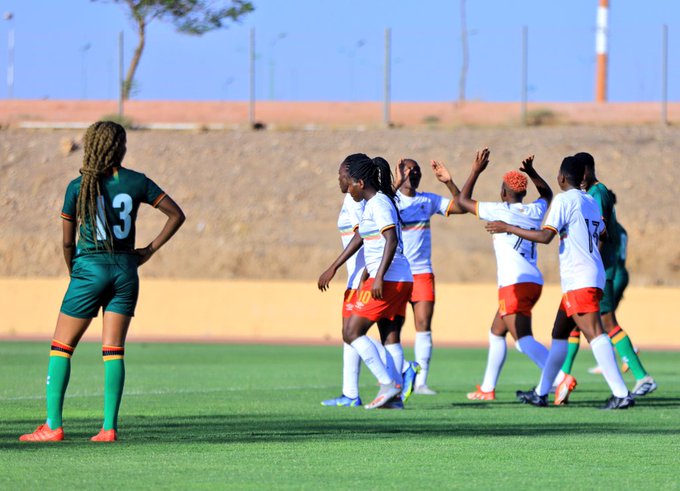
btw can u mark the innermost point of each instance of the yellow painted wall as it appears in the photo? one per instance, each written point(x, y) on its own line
point(295, 312)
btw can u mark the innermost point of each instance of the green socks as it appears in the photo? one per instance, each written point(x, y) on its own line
point(572, 350)
point(58, 373)
point(625, 349)
point(114, 380)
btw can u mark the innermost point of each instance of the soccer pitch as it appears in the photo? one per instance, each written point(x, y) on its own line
point(248, 417)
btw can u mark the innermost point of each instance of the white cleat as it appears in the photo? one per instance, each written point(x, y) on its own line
point(644, 386)
point(385, 394)
point(424, 390)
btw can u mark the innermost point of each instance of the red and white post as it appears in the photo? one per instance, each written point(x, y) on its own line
point(601, 33)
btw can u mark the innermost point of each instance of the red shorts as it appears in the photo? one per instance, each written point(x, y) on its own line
point(581, 301)
point(393, 304)
point(348, 303)
point(423, 288)
point(519, 298)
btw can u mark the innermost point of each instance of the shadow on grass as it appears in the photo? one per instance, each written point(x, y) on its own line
point(239, 428)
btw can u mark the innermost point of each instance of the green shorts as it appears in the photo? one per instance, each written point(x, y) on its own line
point(109, 281)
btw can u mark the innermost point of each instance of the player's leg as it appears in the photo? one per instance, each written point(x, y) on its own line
point(423, 312)
point(390, 337)
point(519, 325)
point(494, 362)
point(66, 336)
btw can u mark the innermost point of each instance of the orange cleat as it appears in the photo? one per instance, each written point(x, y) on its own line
point(563, 390)
point(43, 433)
point(480, 395)
point(105, 436)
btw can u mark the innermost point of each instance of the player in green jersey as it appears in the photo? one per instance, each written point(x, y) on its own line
point(610, 252)
point(100, 208)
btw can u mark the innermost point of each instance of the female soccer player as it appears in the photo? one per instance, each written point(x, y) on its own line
point(384, 295)
point(348, 223)
point(576, 217)
point(101, 206)
point(416, 209)
point(519, 280)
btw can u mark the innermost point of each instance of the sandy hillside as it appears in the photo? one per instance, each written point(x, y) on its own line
point(264, 204)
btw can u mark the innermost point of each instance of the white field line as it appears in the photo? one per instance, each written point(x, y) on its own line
point(157, 392)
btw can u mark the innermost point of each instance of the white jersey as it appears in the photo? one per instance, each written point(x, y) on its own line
point(380, 215)
point(515, 257)
point(575, 217)
point(348, 222)
point(415, 216)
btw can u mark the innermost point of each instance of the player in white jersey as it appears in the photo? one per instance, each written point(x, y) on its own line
point(416, 209)
point(348, 223)
point(576, 218)
point(383, 296)
point(519, 280)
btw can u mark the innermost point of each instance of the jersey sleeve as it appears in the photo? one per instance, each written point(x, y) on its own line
point(489, 211)
point(68, 211)
point(153, 194)
point(439, 205)
point(356, 211)
point(537, 209)
point(384, 215)
point(557, 216)
point(605, 202)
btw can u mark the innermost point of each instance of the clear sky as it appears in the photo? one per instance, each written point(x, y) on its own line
point(333, 50)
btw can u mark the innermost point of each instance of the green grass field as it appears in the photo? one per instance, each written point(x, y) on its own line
point(248, 417)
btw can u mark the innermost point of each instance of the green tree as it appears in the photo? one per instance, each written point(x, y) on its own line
point(188, 16)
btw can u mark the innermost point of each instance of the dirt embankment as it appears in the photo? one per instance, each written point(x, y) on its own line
point(263, 205)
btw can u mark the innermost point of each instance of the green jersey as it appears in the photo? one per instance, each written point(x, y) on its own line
point(605, 200)
point(122, 193)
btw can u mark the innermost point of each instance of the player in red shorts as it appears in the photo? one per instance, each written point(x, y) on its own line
point(519, 280)
point(576, 218)
point(416, 209)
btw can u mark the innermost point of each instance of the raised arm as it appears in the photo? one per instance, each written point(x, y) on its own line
point(464, 199)
point(542, 187)
point(543, 236)
point(351, 249)
point(444, 176)
point(175, 220)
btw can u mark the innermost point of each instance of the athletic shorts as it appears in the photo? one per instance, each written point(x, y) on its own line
point(608, 298)
point(581, 301)
point(348, 302)
point(102, 280)
point(519, 298)
point(396, 295)
point(423, 288)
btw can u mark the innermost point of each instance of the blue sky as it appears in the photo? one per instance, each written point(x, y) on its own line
point(333, 50)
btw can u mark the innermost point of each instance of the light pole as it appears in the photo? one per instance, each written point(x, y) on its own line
point(83, 68)
point(9, 16)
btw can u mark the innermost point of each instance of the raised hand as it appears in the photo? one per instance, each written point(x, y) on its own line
point(481, 160)
point(401, 174)
point(528, 165)
point(440, 171)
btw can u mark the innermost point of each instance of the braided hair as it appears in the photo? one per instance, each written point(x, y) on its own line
point(104, 148)
point(374, 172)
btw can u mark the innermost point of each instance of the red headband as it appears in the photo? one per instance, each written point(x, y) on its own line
point(516, 181)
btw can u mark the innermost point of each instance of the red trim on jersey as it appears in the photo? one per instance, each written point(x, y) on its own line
point(157, 201)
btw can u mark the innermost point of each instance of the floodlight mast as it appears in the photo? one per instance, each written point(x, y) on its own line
point(601, 34)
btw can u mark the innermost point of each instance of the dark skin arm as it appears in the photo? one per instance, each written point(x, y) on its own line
point(175, 220)
point(68, 229)
point(388, 255)
point(543, 236)
point(444, 176)
point(464, 199)
point(351, 249)
point(542, 187)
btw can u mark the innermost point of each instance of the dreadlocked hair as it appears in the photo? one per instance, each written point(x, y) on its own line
point(104, 148)
point(374, 172)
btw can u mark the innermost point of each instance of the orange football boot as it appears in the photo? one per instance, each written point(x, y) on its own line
point(564, 389)
point(105, 436)
point(480, 395)
point(43, 433)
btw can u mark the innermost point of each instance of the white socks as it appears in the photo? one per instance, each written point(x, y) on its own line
point(371, 357)
point(397, 353)
point(351, 367)
point(534, 350)
point(604, 354)
point(494, 363)
point(423, 353)
point(556, 356)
